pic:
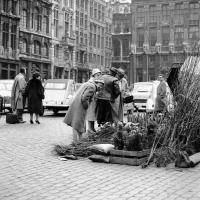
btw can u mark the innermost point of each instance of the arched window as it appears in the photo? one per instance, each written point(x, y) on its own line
point(37, 48)
point(37, 19)
point(46, 50)
point(24, 18)
point(24, 46)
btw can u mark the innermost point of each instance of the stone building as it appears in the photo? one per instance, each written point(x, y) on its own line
point(63, 39)
point(91, 47)
point(121, 36)
point(35, 37)
point(9, 37)
point(163, 33)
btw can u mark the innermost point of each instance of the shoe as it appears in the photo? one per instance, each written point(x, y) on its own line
point(31, 121)
point(21, 121)
point(37, 121)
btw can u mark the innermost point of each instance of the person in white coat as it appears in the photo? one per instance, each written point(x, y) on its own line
point(91, 116)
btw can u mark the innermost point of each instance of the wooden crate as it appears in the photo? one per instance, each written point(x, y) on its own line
point(130, 154)
point(127, 161)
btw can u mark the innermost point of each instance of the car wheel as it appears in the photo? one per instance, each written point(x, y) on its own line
point(55, 111)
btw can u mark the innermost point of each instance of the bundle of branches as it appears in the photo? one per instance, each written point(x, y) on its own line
point(103, 135)
point(181, 127)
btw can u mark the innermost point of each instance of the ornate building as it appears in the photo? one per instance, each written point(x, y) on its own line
point(9, 37)
point(164, 32)
point(63, 39)
point(35, 37)
point(92, 28)
point(121, 36)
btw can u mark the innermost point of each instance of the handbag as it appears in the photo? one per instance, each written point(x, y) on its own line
point(11, 118)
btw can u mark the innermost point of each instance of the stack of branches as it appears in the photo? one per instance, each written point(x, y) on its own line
point(178, 131)
point(103, 135)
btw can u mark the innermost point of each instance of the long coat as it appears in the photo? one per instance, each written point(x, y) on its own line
point(91, 115)
point(76, 113)
point(161, 97)
point(35, 93)
point(16, 92)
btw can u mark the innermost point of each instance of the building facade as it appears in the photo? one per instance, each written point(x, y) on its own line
point(163, 33)
point(122, 36)
point(91, 32)
point(9, 38)
point(63, 39)
point(35, 37)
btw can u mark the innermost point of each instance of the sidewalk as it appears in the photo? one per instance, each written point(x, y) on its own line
point(28, 170)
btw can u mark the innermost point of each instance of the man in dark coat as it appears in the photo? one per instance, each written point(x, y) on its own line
point(106, 98)
point(77, 111)
point(35, 93)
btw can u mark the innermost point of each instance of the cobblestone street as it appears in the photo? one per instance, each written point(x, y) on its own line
point(28, 170)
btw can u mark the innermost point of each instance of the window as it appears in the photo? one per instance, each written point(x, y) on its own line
point(37, 20)
point(5, 35)
point(13, 6)
point(99, 12)
point(178, 35)
point(85, 38)
point(77, 37)
point(77, 18)
point(46, 50)
point(91, 8)
point(86, 22)
point(193, 33)
point(140, 14)
point(56, 51)
point(37, 48)
point(81, 20)
point(24, 46)
point(5, 5)
point(91, 33)
point(71, 26)
point(81, 37)
point(95, 36)
point(24, 18)
point(86, 5)
point(98, 37)
point(13, 36)
point(140, 37)
point(126, 26)
point(103, 13)
point(117, 27)
point(71, 4)
point(95, 10)
point(90, 57)
point(77, 3)
point(102, 38)
point(125, 47)
point(165, 35)
point(55, 23)
point(178, 13)
point(165, 12)
point(152, 36)
point(102, 60)
point(152, 13)
point(45, 24)
point(82, 4)
point(194, 12)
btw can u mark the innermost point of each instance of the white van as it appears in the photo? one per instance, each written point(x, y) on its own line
point(145, 94)
point(58, 94)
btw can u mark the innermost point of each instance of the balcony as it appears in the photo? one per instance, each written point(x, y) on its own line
point(178, 48)
point(9, 53)
point(68, 41)
point(139, 49)
point(164, 49)
point(152, 49)
point(121, 59)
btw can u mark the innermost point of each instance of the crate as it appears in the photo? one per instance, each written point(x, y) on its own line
point(127, 161)
point(130, 154)
point(133, 158)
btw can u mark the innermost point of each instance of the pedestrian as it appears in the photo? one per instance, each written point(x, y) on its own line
point(17, 92)
point(105, 98)
point(161, 95)
point(76, 114)
point(35, 93)
point(91, 116)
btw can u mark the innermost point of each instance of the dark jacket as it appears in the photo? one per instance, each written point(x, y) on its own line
point(35, 93)
point(111, 88)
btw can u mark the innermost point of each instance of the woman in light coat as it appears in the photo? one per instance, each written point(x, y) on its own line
point(76, 113)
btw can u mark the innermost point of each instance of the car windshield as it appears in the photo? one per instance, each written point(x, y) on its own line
point(55, 86)
point(143, 87)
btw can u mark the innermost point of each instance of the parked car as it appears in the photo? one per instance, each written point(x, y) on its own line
point(58, 94)
point(145, 94)
point(5, 92)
